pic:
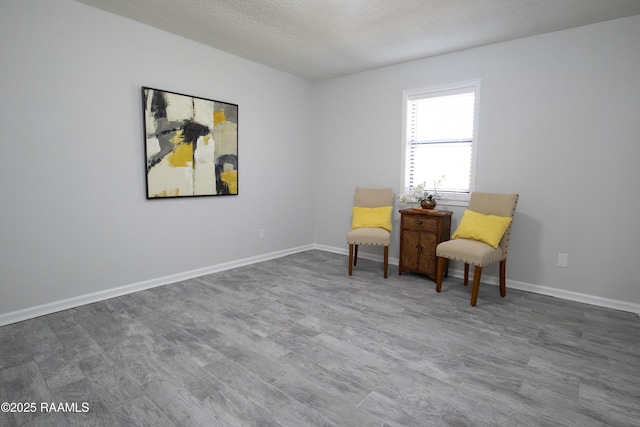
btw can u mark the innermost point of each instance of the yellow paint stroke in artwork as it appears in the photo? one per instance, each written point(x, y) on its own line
point(181, 156)
point(219, 117)
point(169, 193)
point(178, 138)
point(231, 179)
point(206, 139)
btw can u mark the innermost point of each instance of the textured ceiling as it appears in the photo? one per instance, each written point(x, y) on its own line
point(322, 39)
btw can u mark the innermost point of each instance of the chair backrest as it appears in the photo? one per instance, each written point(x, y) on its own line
point(496, 204)
point(373, 197)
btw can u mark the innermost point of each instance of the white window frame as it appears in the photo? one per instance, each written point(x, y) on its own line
point(452, 199)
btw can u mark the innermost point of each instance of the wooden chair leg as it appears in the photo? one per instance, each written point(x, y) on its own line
point(503, 278)
point(477, 273)
point(466, 274)
point(355, 255)
point(350, 259)
point(386, 260)
point(439, 271)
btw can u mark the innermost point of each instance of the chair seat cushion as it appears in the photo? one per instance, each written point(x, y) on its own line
point(369, 236)
point(469, 251)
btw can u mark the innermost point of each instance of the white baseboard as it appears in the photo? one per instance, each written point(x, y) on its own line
point(361, 254)
point(514, 284)
point(557, 293)
point(52, 307)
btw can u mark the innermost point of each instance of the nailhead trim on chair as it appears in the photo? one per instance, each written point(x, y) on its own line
point(366, 244)
point(508, 235)
point(479, 265)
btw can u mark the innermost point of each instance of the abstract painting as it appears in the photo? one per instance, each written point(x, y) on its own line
point(191, 145)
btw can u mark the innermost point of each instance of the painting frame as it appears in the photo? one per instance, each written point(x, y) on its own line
point(191, 145)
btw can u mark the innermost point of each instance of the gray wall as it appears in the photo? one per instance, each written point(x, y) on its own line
point(559, 117)
point(74, 218)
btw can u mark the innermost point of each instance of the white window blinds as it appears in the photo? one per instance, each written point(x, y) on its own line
point(440, 133)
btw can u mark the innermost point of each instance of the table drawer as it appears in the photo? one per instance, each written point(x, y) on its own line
point(417, 222)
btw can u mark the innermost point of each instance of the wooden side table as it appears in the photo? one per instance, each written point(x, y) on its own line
point(420, 232)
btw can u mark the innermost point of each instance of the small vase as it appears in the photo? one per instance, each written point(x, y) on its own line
point(428, 204)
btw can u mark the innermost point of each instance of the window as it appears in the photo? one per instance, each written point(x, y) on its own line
point(440, 139)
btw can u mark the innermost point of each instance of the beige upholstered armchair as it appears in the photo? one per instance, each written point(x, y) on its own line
point(482, 238)
point(371, 224)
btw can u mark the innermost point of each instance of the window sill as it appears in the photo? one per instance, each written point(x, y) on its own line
point(441, 202)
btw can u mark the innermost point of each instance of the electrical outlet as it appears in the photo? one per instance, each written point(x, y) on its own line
point(262, 233)
point(563, 260)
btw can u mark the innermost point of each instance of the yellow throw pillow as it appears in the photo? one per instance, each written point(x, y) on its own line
point(484, 228)
point(372, 217)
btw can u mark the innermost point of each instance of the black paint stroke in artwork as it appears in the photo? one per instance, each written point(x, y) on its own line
point(159, 105)
point(191, 131)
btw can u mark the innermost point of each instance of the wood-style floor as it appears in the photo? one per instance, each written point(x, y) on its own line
point(295, 341)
